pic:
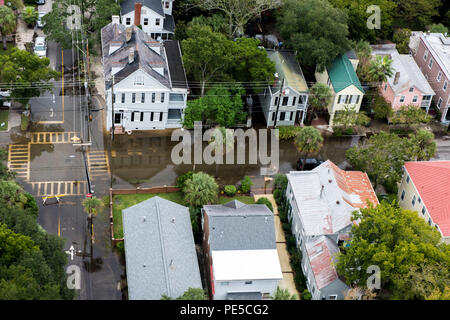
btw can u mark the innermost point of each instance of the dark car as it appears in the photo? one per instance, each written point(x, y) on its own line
point(40, 1)
point(310, 163)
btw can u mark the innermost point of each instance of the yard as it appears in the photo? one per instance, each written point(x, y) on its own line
point(123, 201)
point(4, 120)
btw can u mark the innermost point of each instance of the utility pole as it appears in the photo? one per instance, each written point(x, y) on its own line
point(112, 109)
point(278, 104)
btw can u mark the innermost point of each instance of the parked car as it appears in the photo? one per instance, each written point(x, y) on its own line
point(40, 1)
point(40, 47)
point(40, 24)
point(310, 163)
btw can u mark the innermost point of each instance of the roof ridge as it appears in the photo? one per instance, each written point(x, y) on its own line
point(163, 253)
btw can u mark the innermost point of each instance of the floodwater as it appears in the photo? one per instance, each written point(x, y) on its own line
point(144, 159)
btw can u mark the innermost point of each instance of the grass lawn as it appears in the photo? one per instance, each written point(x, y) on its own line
point(4, 118)
point(124, 201)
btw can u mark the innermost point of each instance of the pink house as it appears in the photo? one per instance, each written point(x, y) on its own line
point(407, 85)
point(432, 55)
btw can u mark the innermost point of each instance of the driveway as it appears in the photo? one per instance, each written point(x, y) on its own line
point(288, 275)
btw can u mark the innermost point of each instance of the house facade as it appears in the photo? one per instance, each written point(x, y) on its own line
point(159, 250)
point(291, 100)
point(425, 188)
point(346, 89)
point(432, 55)
point(145, 81)
point(321, 203)
point(154, 16)
point(407, 85)
point(240, 251)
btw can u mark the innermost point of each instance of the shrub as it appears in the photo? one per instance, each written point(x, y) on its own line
point(277, 196)
point(31, 205)
point(300, 281)
point(280, 182)
point(283, 213)
point(266, 202)
point(121, 248)
point(230, 190)
point(286, 227)
point(201, 189)
point(246, 184)
point(288, 132)
point(291, 244)
point(25, 122)
point(382, 108)
point(306, 295)
point(195, 214)
point(30, 15)
point(349, 131)
point(181, 180)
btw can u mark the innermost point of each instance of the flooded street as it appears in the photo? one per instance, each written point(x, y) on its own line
point(143, 159)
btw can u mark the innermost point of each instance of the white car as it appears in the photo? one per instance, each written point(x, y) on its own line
point(4, 95)
point(40, 47)
point(40, 24)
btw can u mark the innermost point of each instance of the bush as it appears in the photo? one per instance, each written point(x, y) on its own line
point(300, 281)
point(283, 213)
point(382, 108)
point(201, 189)
point(266, 202)
point(349, 131)
point(246, 184)
point(291, 245)
point(30, 15)
point(31, 205)
point(288, 132)
point(281, 182)
point(277, 196)
point(230, 190)
point(25, 122)
point(121, 248)
point(286, 227)
point(306, 295)
point(181, 180)
point(195, 214)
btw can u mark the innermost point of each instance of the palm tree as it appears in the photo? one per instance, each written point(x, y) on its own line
point(380, 69)
point(201, 189)
point(319, 98)
point(222, 139)
point(283, 294)
point(7, 23)
point(91, 206)
point(308, 140)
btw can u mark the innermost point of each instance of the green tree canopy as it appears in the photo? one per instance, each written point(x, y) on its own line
point(401, 38)
point(201, 189)
point(380, 69)
point(349, 117)
point(416, 14)
point(30, 15)
point(284, 294)
point(309, 140)
point(27, 74)
point(189, 294)
point(400, 243)
point(319, 98)
point(437, 28)
point(7, 23)
point(358, 16)
point(316, 29)
point(220, 106)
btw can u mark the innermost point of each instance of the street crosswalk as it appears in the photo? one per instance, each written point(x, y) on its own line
point(98, 163)
point(54, 137)
point(19, 160)
point(53, 188)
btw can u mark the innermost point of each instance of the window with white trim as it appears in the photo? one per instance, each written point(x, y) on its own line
point(415, 99)
point(157, 22)
point(402, 99)
point(145, 21)
point(439, 102)
point(423, 210)
point(403, 195)
point(128, 21)
point(139, 81)
point(332, 297)
point(445, 86)
point(385, 87)
point(430, 64)
point(411, 89)
point(439, 76)
point(425, 56)
point(413, 201)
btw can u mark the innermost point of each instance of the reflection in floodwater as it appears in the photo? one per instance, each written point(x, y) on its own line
point(144, 159)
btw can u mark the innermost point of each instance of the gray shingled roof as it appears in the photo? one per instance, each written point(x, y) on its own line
point(159, 250)
point(128, 6)
point(145, 58)
point(176, 69)
point(237, 226)
point(169, 23)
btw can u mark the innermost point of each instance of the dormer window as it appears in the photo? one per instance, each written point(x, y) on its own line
point(167, 4)
point(411, 89)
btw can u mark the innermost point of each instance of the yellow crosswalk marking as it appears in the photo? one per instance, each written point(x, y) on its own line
point(19, 160)
point(59, 188)
point(54, 137)
point(98, 163)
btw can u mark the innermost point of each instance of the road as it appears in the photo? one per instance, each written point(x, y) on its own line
point(55, 165)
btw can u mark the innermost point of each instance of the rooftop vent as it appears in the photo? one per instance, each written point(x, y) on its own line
point(173, 220)
point(330, 181)
point(144, 218)
point(337, 202)
point(144, 265)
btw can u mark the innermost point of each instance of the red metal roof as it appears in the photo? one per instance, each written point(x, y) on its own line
point(432, 181)
point(354, 182)
point(321, 252)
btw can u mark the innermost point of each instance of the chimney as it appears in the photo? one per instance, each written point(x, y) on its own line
point(131, 56)
point(129, 32)
point(276, 79)
point(137, 13)
point(397, 76)
point(115, 19)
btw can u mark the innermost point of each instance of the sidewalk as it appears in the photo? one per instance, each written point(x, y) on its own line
point(13, 127)
point(23, 34)
point(288, 275)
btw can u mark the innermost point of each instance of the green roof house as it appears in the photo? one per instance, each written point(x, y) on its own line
point(344, 83)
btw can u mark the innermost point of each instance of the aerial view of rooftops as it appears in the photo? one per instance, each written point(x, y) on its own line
point(220, 155)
